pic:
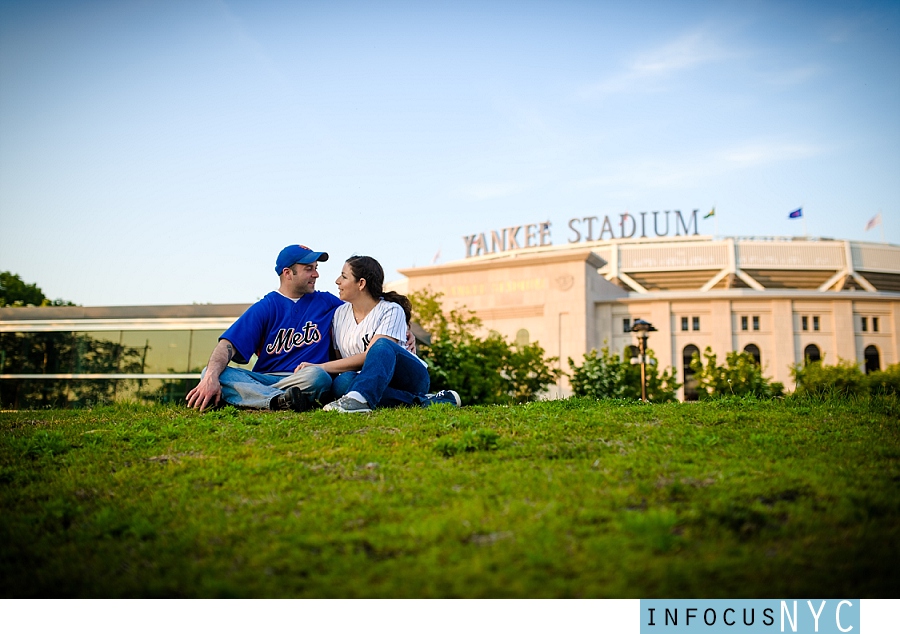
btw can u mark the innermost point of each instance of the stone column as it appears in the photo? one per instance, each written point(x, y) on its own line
point(784, 353)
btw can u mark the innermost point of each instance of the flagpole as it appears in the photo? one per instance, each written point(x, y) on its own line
point(803, 215)
point(716, 223)
point(881, 224)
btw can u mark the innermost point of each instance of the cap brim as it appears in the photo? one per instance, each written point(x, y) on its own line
point(315, 256)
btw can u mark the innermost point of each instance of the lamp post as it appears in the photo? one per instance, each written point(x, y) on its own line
point(642, 328)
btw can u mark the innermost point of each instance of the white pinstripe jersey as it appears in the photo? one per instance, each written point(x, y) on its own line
point(387, 318)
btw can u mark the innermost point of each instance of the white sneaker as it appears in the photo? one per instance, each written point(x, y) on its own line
point(348, 405)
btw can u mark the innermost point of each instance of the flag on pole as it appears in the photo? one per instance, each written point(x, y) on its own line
point(437, 256)
point(874, 222)
point(710, 214)
point(797, 213)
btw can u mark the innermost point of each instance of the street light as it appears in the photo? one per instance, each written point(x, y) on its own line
point(642, 327)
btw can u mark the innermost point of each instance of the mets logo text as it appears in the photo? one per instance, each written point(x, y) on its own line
point(287, 338)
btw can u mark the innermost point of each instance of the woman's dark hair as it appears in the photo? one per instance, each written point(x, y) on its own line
point(366, 268)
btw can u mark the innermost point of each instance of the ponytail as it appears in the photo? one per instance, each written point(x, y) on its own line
point(403, 300)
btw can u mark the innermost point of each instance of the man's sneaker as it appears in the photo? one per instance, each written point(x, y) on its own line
point(292, 398)
point(348, 405)
point(444, 396)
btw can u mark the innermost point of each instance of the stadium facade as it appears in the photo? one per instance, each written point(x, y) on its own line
point(781, 299)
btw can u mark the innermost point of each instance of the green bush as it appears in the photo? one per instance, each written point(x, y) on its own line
point(609, 376)
point(817, 379)
point(885, 381)
point(484, 371)
point(740, 376)
point(599, 376)
point(844, 379)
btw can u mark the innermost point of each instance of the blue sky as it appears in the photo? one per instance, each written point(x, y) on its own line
point(164, 152)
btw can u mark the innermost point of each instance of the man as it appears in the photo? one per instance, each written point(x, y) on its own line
point(284, 329)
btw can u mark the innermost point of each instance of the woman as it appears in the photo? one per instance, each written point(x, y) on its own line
point(374, 369)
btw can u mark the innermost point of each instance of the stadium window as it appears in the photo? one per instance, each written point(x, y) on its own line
point(815, 322)
point(865, 324)
point(753, 351)
point(874, 324)
point(804, 321)
point(873, 360)
point(755, 322)
point(695, 323)
point(626, 325)
point(522, 338)
point(811, 354)
point(744, 322)
point(684, 323)
point(691, 384)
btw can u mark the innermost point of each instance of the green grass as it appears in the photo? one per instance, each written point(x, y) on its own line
point(569, 498)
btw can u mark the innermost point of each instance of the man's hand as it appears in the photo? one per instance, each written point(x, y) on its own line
point(410, 343)
point(209, 391)
point(206, 394)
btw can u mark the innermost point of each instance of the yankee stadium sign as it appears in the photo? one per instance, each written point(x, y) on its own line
point(586, 229)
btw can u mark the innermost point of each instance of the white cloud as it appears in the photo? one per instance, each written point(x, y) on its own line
point(761, 153)
point(649, 69)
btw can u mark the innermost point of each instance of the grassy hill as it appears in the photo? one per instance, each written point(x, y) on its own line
point(574, 498)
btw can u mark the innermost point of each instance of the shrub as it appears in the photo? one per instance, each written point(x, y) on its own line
point(844, 379)
point(817, 379)
point(486, 371)
point(609, 376)
point(740, 376)
point(599, 376)
point(885, 381)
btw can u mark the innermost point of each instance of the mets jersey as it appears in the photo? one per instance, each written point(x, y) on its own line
point(387, 318)
point(282, 332)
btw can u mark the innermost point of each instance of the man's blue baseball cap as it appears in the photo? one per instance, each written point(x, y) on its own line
point(297, 254)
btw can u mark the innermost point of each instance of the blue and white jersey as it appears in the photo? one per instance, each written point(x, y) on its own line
point(387, 318)
point(283, 332)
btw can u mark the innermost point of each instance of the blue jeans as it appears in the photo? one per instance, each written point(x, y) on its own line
point(244, 388)
point(390, 376)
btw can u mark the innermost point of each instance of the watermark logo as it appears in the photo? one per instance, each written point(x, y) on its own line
point(750, 616)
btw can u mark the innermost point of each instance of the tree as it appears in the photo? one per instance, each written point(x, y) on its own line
point(486, 370)
point(740, 376)
point(15, 292)
point(609, 376)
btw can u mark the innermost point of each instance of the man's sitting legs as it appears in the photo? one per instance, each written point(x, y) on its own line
point(313, 383)
point(244, 388)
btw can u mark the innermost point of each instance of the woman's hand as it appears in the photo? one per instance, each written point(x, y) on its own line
point(307, 364)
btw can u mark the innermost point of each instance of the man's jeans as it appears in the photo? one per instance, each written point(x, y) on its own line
point(243, 388)
point(390, 376)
